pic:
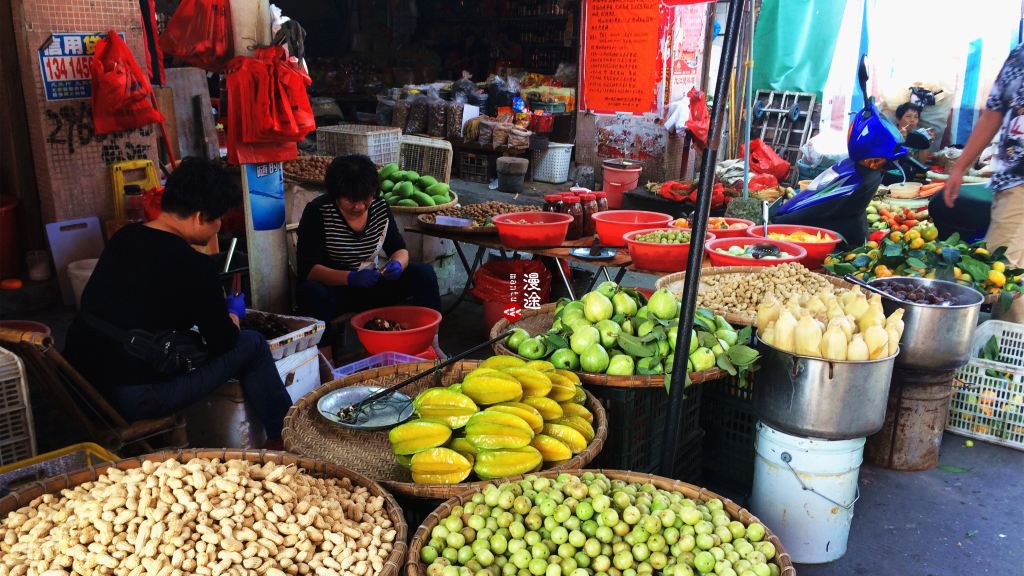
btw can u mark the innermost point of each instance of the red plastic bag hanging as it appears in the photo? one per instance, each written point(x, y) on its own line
point(248, 108)
point(764, 160)
point(700, 117)
point(200, 33)
point(122, 98)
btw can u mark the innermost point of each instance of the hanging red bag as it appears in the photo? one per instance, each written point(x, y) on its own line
point(122, 98)
point(764, 160)
point(700, 118)
point(293, 82)
point(244, 107)
point(200, 33)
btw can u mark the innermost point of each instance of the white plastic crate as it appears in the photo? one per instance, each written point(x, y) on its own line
point(427, 156)
point(305, 333)
point(988, 397)
point(17, 435)
point(552, 165)
point(380, 143)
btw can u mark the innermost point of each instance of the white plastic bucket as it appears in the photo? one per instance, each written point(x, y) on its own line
point(79, 272)
point(804, 490)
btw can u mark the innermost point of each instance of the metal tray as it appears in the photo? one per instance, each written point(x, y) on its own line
point(383, 414)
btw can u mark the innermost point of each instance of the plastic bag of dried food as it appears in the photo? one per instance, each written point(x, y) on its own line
point(471, 131)
point(401, 114)
point(486, 134)
point(417, 122)
point(437, 115)
point(519, 138)
point(385, 111)
point(500, 136)
point(455, 111)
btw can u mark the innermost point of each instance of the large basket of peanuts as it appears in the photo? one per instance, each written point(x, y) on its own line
point(204, 511)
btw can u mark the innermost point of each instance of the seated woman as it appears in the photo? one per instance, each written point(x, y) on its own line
point(908, 119)
point(340, 235)
point(150, 278)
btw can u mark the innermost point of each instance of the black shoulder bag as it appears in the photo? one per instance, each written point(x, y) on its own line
point(168, 352)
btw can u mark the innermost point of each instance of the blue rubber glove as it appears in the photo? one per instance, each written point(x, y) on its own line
point(367, 278)
point(392, 270)
point(236, 305)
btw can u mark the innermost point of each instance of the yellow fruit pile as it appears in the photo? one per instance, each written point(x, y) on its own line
point(532, 414)
point(849, 328)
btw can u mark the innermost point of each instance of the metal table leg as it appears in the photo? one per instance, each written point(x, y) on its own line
point(565, 279)
point(470, 270)
point(620, 275)
point(462, 255)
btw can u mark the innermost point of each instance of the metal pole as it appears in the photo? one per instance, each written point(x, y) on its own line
point(750, 104)
point(699, 229)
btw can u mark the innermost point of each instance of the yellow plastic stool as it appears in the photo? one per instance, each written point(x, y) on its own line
point(141, 173)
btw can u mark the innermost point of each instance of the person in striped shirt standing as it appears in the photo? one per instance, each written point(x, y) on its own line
point(341, 235)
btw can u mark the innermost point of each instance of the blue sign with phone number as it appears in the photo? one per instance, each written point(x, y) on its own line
point(66, 65)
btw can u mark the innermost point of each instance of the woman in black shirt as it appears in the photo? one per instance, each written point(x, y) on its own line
point(340, 236)
point(150, 278)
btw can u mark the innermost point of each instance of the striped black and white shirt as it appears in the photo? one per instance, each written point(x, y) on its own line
point(325, 237)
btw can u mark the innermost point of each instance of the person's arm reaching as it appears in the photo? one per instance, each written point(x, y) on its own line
point(984, 131)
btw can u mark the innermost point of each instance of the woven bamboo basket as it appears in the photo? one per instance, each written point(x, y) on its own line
point(317, 468)
point(427, 223)
point(415, 567)
point(736, 318)
point(539, 321)
point(426, 209)
point(307, 432)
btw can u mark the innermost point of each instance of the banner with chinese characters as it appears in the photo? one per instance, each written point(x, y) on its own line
point(265, 186)
point(64, 62)
point(621, 58)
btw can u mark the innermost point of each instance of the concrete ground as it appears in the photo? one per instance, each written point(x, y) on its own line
point(934, 523)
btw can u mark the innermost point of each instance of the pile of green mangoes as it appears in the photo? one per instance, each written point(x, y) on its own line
point(409, 189)
point(616, 331)
point(587, 524)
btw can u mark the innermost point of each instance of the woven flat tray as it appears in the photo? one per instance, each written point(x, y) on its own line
point(307, 432)
point(415, 567)
point(734, 318)
point(539, 321)
point(317, 468)
point(427, 223)
point(426, 209)
point(292, 177)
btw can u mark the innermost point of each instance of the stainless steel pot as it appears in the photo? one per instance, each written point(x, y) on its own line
point(820, 398)
point(935, 338)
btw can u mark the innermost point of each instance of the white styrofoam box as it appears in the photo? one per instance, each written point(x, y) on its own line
point(300, 372)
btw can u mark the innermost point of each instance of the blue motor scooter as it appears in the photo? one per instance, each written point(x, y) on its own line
point(838, 197)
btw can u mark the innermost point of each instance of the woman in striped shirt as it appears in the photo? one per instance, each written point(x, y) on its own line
point(341, 235)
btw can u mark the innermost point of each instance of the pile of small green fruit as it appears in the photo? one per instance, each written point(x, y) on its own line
point(590, 525)
point(614, 331)
point(665, 237)
point(408, 189)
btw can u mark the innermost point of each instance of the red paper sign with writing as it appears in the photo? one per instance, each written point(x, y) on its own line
point(620, 55)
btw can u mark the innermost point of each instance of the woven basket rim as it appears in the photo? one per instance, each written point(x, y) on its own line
point(444, 491)
point(474, 231)
point(427, 209)
point(738, 317)
point(414, 567)
point(314, 467)
point(591, 379)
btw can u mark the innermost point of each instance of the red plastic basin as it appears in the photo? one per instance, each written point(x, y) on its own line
point(719, 233)
point(719, 259)
point(816, 251)
point(611, 225)
point(543, 228)
point(420, 328)
point(658, 257)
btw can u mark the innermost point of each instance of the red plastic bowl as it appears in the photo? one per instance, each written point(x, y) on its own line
point(816, 251)
point(611, 225)
point(544, 229)
point(658, 257)
point(718, 259)
point(420, 328)
point(736, 233)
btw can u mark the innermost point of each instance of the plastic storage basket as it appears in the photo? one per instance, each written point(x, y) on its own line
point(727, 416)
point(427, 156)
point(378, 142)
point(552, 165)
point(375, 361)
point(988, 396)
point(474, 167)
point(56, 463)
point(17, 436)
point(305, 333)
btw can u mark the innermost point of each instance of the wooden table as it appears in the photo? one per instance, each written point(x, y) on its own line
point(621, 260)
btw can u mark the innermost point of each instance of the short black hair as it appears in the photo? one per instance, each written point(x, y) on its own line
point(907, 107)
point(353, 177)
point(198, 185)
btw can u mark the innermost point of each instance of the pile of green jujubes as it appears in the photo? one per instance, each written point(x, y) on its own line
point(590, 525)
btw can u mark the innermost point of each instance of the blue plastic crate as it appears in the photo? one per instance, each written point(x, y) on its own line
point(375, 361)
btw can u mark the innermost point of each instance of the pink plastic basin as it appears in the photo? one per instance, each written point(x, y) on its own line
point(658, 257)
point(816, 251)
point(541, 229)
point(420, 326)
point(611, 225)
